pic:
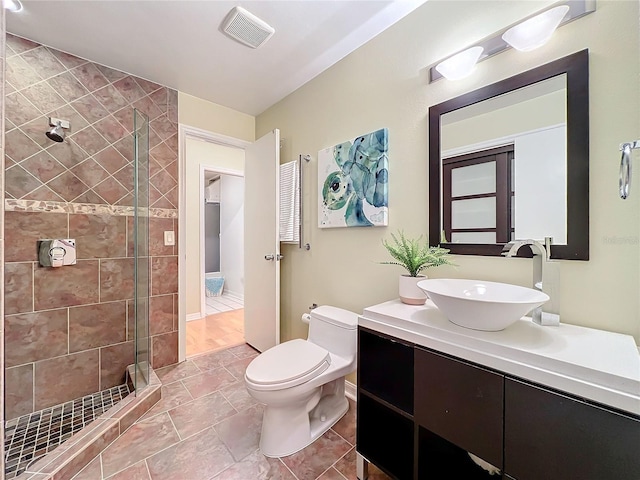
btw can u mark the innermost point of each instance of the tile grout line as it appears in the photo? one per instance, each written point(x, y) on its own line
point(174, 425)
point(348, 442)
point(353, 447)
point(153, 454)
point(147, 467)
point(325, 471)
point(287, 467)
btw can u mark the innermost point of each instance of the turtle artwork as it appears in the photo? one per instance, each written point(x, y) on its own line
point(353, 180)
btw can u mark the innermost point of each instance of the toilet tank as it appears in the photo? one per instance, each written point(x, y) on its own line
point(335, 329)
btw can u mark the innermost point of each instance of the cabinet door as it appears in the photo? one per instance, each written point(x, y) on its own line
point(385, 369)
point(461, 403)
point(549, 435)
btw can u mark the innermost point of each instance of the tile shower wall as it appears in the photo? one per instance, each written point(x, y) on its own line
point(69, 331)
point(2, 57)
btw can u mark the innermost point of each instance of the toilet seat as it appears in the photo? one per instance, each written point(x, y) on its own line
point(287, 365)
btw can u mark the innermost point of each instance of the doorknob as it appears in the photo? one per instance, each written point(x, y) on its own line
point(279, 257)
point(269, 257)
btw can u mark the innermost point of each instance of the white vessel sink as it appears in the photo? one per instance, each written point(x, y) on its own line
point(480, 305)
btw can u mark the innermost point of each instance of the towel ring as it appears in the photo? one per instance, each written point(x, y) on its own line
point(624, 183)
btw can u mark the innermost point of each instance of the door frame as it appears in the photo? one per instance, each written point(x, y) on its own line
point(222, 171)
point(185, 132)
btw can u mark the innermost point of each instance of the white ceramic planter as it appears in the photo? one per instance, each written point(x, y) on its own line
point(409, 291)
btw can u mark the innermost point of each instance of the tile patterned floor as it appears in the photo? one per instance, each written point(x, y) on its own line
point(223, 303)
point(29, 437)
point(207, 427)
point(215, 332)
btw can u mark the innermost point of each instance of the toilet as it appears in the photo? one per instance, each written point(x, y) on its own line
point(301, 382)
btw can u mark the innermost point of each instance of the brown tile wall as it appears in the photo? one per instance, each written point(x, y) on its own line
point(93, 164)
point(69, 331)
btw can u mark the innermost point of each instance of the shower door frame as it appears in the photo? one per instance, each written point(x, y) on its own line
point(141, 258)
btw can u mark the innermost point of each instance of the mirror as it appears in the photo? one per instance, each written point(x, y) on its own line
point(511, 161)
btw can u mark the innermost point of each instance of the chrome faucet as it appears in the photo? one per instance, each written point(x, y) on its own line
point(541, 255)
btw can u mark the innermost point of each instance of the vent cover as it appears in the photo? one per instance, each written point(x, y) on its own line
point(246, 28)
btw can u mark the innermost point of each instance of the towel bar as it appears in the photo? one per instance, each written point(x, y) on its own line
point(306, 158)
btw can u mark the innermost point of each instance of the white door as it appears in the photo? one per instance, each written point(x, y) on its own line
point(262, 243)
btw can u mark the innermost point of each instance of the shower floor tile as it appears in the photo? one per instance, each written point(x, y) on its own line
point(31, 436)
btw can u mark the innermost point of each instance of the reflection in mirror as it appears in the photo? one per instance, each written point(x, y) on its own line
point(498, 157)
point(511, 161)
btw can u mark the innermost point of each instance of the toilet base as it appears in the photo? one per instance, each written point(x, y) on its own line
point(288, 430)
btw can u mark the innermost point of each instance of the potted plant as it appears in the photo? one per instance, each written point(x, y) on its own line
point(415, 256)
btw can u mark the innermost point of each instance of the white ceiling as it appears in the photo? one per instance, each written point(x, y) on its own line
point(178, 43)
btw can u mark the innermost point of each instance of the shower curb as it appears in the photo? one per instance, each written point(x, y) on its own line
point(72, 456)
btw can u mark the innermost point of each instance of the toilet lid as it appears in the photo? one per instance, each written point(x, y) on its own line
point(288, 364)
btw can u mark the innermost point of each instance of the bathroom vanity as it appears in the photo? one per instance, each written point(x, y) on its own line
point(535, 402)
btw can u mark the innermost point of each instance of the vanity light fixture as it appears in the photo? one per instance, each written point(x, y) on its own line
point(461, 65)
point(536, 31)
point(12, 5)
point(530, 33)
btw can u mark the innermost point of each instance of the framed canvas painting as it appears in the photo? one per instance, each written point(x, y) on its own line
point(353, 181)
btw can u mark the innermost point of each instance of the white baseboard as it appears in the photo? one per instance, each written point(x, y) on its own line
point(194, 316)
point(350, 390)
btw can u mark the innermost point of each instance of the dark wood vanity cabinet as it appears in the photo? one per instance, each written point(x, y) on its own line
point(385, 432)
point(461, 403)
point(551, 435)
point(420, 412)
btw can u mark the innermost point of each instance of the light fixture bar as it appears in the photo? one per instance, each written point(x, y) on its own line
point(495, 44)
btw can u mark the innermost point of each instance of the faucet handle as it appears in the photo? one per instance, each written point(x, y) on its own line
point(548, 241)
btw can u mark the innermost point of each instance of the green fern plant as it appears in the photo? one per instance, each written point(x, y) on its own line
point(414, 255)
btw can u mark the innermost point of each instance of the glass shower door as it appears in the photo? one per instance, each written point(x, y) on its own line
point(141, 247)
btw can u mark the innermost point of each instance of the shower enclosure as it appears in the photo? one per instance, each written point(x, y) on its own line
point(141, 248)
point(31, 436)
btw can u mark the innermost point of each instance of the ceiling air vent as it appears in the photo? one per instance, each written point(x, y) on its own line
point(246, 28)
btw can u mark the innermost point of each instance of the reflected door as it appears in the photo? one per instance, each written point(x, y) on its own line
point(477, 196)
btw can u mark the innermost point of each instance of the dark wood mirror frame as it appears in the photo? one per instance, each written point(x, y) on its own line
point(576, 67)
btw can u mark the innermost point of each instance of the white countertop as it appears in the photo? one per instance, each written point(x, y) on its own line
point(594, 364)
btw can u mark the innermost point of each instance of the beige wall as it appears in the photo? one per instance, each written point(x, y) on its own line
point(534, 114)
point(215, 157)
point(200, 113)
point(384, 84)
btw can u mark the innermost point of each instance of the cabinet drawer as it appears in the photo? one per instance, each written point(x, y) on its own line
point(549, 435)
point(461, 403)
point(385, 369)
